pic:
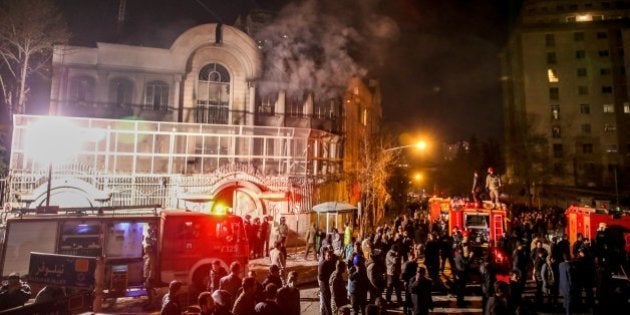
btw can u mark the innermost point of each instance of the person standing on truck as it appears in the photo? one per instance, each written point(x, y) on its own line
point(476, 189)
point(493, 185)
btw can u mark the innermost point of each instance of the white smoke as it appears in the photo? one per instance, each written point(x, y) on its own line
point(308, 47)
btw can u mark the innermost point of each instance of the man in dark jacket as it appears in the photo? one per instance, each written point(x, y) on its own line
point(409, 270)
point(420, 290)
point(324, 270)
point(358, 286)
point(498, 304)
point(216, 273)
point(269, 306)
point(245, 303)
point(565, 283)
point(460, 271)
point(338, 289)
point(520, 261)
point(393, 266)
point(273, 277)
point(289, 296)
point(232, 282)
point(432, 258)
point(488, 278)
point(376, 274)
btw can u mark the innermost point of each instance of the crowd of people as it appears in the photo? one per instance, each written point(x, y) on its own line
point(228, 293)
point(408, 259)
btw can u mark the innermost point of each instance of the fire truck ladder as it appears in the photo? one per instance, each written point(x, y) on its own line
point(498, 226)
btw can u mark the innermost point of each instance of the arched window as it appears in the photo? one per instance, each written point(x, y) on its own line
point(82, 90)
point(156, 95)
point(120, 91)
point(213, 94)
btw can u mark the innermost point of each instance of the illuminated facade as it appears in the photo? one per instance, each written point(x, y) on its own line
point(186, 127)
point(565, 90)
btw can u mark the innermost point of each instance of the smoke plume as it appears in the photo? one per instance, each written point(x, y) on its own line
point(317, 46)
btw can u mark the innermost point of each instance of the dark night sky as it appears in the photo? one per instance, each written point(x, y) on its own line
point(439, 76)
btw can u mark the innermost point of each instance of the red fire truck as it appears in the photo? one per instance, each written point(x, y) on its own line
point(586, 220)
point(483, 225)
point(186, 243)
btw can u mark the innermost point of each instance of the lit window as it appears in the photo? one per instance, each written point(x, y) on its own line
point(609, 108)
point(584, 18)
point(586, 128)
point(552, 75)
point(555, 112)
point(581, 72)
point(585, 109)
point(364, 117)
point(626, 107)
point(610, 128)
point(611, 148)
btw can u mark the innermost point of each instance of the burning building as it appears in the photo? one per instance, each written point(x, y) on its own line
point(192, 126)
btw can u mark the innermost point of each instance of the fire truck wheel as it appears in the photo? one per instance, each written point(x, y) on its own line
point(200, 277)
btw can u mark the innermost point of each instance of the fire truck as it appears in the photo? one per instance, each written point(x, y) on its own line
point(483, 225)
point(186, 243)
point(586, 220)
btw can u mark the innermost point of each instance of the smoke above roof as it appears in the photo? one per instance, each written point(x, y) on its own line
point(317, 46)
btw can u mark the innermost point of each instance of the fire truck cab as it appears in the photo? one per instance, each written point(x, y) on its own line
point(184, 243)
point(586, 220)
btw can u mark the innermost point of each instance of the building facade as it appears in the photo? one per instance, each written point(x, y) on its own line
point(566, 104)
point(186, 127)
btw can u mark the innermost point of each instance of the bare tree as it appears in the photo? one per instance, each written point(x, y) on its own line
point(373, 179)
point(28, 31)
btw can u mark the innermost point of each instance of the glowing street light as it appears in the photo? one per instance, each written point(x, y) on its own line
point(420, 145)
point(418, 177)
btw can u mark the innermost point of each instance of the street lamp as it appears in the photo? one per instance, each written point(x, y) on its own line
point(420, 145)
